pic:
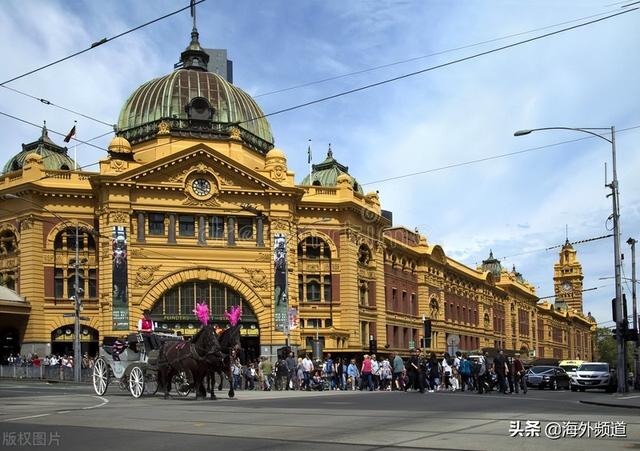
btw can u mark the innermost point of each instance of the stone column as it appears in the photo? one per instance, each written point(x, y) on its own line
point(259, 232)
point(231, 231)
point(140, 227)
point(202, 236)
point(172, 229)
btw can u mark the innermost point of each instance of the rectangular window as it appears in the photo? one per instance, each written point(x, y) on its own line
point(171, 302)
point(327, 288)
point(187, 225)
point(328, 322)
point(394, 299)
point(93, 283)
point(202, 293)
point(313, 291)
point(156, 224)
point(58, 285)
point(217, 300)
point(245, 228)
point(187, 299)
point(216, 227)
point(403, 307)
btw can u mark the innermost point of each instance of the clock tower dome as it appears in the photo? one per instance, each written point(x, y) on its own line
point(567, 278)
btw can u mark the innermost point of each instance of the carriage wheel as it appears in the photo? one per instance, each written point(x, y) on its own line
point(180, 383)
point(136, 382)
point(100, 376)
point(151, 383)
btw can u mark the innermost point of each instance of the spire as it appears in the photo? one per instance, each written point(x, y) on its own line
point(194, 57)
point(329, 152)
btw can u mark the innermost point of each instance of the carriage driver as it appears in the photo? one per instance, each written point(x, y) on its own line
point(146, 328)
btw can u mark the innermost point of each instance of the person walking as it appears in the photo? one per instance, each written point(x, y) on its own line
point(352, 375)
point(291, 371)
point(307, 369)
point(415, 374)
point(398, 368)
point(519, 379)
point(500, 368)
point(447, 372)
point(366, 373)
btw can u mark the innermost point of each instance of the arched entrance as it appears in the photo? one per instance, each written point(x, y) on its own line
point(62, 340)
point(9, 342)
point(173, 311)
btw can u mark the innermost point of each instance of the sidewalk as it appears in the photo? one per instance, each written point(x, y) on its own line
point(630, 400)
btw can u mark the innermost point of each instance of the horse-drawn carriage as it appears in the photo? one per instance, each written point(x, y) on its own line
point(178, 363)
point(135, 367)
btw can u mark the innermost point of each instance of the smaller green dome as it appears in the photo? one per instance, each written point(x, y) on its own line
point(53, 155)
point(327, 173)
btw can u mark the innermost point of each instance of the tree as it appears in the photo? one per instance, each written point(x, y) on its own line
point(607, 348)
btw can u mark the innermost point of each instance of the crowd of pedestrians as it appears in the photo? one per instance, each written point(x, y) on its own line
point(422, 372)
point(54, 366)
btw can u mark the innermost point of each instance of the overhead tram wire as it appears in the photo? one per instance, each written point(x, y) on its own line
point(55, 132)
point(438, 66)
point(99, 43)
point(416, 58)
point(48, 102)
point(493, 157)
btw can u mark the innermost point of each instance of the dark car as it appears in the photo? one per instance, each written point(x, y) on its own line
point(548, 376)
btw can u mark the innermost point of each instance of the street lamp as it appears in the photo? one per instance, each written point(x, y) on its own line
point(636, 356)
point(77, 292)
point(621, 367)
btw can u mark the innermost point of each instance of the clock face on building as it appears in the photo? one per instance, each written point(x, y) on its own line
point(201, 187)
point(566, 286)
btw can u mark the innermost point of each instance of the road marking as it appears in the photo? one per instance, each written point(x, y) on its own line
point(104, 401)
point(26, 418)
point(629, 397)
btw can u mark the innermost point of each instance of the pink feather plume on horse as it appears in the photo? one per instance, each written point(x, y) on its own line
point(202, 313)
point(234, 315)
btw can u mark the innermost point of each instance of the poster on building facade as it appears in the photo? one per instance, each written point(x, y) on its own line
point(293, 319)
point(120, 300)
point(280, 282)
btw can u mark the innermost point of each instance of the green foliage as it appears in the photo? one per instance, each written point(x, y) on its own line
point(607, 350)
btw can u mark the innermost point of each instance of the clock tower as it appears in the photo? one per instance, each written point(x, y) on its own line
point(567, 278)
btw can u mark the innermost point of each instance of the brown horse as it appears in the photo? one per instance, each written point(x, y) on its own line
point(190, 357)
point(229, 343)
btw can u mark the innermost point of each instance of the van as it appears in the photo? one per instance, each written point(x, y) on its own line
point(570, 366)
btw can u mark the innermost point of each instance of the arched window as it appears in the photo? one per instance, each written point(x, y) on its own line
point(175, 307)
point(64, 248)
point(8, 243)
point(315, 278)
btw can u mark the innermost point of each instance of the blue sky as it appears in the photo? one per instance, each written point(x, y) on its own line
point(515, 206)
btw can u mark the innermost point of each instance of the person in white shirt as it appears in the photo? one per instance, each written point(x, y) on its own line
point(446, 371)
point(307, 368)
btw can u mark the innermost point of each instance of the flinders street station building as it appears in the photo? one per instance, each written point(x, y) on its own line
point(193, 203)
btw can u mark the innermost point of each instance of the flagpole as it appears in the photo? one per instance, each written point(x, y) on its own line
point(309, 158)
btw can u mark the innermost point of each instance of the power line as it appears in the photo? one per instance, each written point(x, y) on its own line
point(53, 131)
point(100, 42)
point(439, 66)
point(489, 158)
point(554, 247)
point(50, 103)
point(416, 58)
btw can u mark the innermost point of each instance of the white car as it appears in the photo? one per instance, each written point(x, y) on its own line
point(594, 375)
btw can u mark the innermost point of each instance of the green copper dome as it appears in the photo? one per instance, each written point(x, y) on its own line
point(194, 103)
point(53, 155)
point(327, 172)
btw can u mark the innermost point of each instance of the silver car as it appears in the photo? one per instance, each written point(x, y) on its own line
point(593, 375)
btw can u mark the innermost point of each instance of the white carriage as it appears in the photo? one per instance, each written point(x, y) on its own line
point(135, 368)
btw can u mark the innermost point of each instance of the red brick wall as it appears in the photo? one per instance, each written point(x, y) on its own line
point(401, 281)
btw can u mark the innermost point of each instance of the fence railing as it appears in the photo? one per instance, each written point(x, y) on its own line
point(54, 373)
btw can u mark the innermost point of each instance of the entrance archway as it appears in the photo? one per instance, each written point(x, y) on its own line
point(173, 311)
point(9, 343)
point(62, 340)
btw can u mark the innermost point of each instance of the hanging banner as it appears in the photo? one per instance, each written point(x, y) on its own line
point(280, 282)
point(293, 319)
point(120, 299)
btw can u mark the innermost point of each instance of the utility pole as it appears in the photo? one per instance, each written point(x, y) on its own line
point(621, 363)
point(77, 292)
point(636, 350)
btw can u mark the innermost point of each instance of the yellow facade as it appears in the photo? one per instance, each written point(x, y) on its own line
point(200, 212)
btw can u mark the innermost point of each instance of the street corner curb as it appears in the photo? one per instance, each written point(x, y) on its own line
point(610, 404)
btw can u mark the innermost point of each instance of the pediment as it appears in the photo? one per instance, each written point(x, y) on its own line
point(177, 170)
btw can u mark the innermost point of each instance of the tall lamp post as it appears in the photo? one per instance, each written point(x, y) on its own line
point(621, 367)
point(77, 291)
point(636, 357)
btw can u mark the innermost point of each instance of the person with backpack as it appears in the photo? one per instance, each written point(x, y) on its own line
point(465, 373)
point(329, 372)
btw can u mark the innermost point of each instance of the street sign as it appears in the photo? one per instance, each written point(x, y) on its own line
point(84, 318)
point(69, 315)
